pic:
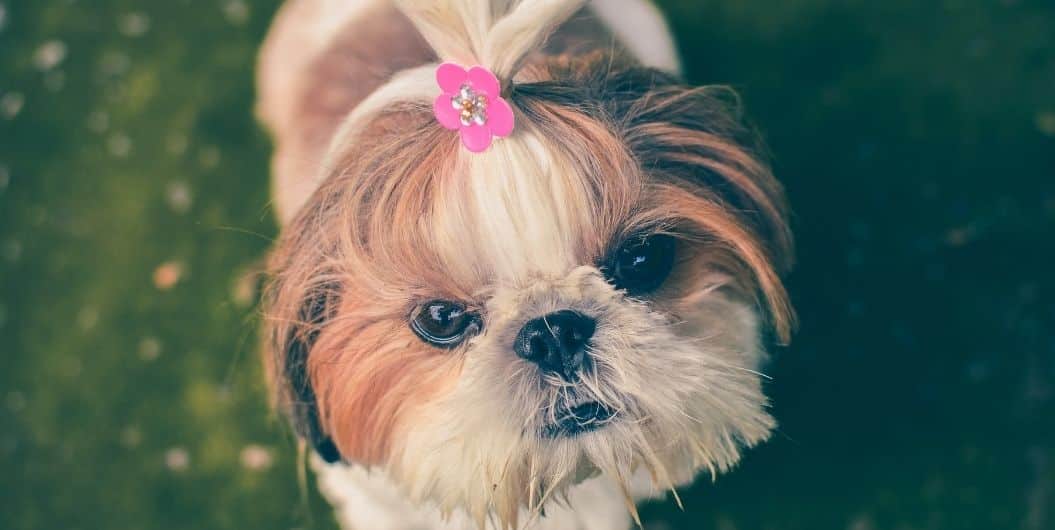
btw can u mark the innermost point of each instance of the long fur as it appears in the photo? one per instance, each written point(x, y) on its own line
point(603, 149)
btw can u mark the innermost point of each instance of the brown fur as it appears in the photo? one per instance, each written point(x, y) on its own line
point(368, 377)
point(656, 155)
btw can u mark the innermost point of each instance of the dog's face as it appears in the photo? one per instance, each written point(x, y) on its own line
point(587, 296)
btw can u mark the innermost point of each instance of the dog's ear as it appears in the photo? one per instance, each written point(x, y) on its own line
point(695, 139)
point(292, 351)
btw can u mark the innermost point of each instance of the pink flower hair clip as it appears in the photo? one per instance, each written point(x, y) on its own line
point(471, 103)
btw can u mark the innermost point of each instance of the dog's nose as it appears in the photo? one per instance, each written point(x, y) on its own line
point(556, 342)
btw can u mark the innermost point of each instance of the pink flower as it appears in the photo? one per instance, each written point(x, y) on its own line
point(470, 103)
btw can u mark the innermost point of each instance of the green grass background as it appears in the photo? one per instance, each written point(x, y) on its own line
point(916, 139)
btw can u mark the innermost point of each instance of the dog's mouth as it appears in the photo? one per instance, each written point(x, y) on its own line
point(579, 419)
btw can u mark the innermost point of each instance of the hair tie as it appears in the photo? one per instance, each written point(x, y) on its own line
point(471, 103)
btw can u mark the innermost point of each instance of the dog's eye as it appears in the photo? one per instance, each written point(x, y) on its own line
point(642, 263)
point(443, 323)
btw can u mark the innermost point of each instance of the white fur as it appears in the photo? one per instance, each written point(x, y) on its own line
point(369, 499)
point(641, 27)
point(473, 437)
point(688, 398)
point(686, 392)
point(517, 233)
point(301, 30)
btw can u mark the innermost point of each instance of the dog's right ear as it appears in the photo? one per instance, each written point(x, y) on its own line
point(291, 344)
point(303, 410)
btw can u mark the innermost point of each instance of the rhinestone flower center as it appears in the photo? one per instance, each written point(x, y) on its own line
point(471, 106)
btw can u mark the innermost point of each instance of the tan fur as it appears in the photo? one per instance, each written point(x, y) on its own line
point(602, 150)
point(370, 376)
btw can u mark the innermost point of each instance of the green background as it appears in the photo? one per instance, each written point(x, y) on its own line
point(916, 139)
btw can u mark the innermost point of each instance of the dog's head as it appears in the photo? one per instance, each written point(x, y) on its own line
point(591, 294)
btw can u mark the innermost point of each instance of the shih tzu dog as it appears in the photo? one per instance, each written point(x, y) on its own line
point(525, 275)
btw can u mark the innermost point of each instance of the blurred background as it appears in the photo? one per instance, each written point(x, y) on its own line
point(916, 139)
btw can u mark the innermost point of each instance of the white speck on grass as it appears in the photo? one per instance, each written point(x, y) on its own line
point(11, 104)
point(149, 348)
point(87, 318)
point(131, 436)
point(243, 290)
point(256, 458)
point(3, 17)
point(99, 121)
point(120, 145)
point(49, 55)
point(134, 24)
point(236, 11)
point(178, 196)
point(722, 522)
point(168, 274)
point(177, 459)
point(1045, 122)
point(861, 522)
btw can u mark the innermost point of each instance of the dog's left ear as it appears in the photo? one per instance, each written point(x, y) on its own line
point(290, 357)
point(696, 144)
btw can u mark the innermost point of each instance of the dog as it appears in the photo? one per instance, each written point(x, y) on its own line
point(525, 275)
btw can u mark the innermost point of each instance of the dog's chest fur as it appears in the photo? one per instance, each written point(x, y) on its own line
point(368, 499)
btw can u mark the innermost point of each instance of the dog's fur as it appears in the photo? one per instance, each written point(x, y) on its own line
point(381, 210)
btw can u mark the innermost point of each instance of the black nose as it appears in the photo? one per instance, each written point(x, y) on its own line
point(556, 342)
